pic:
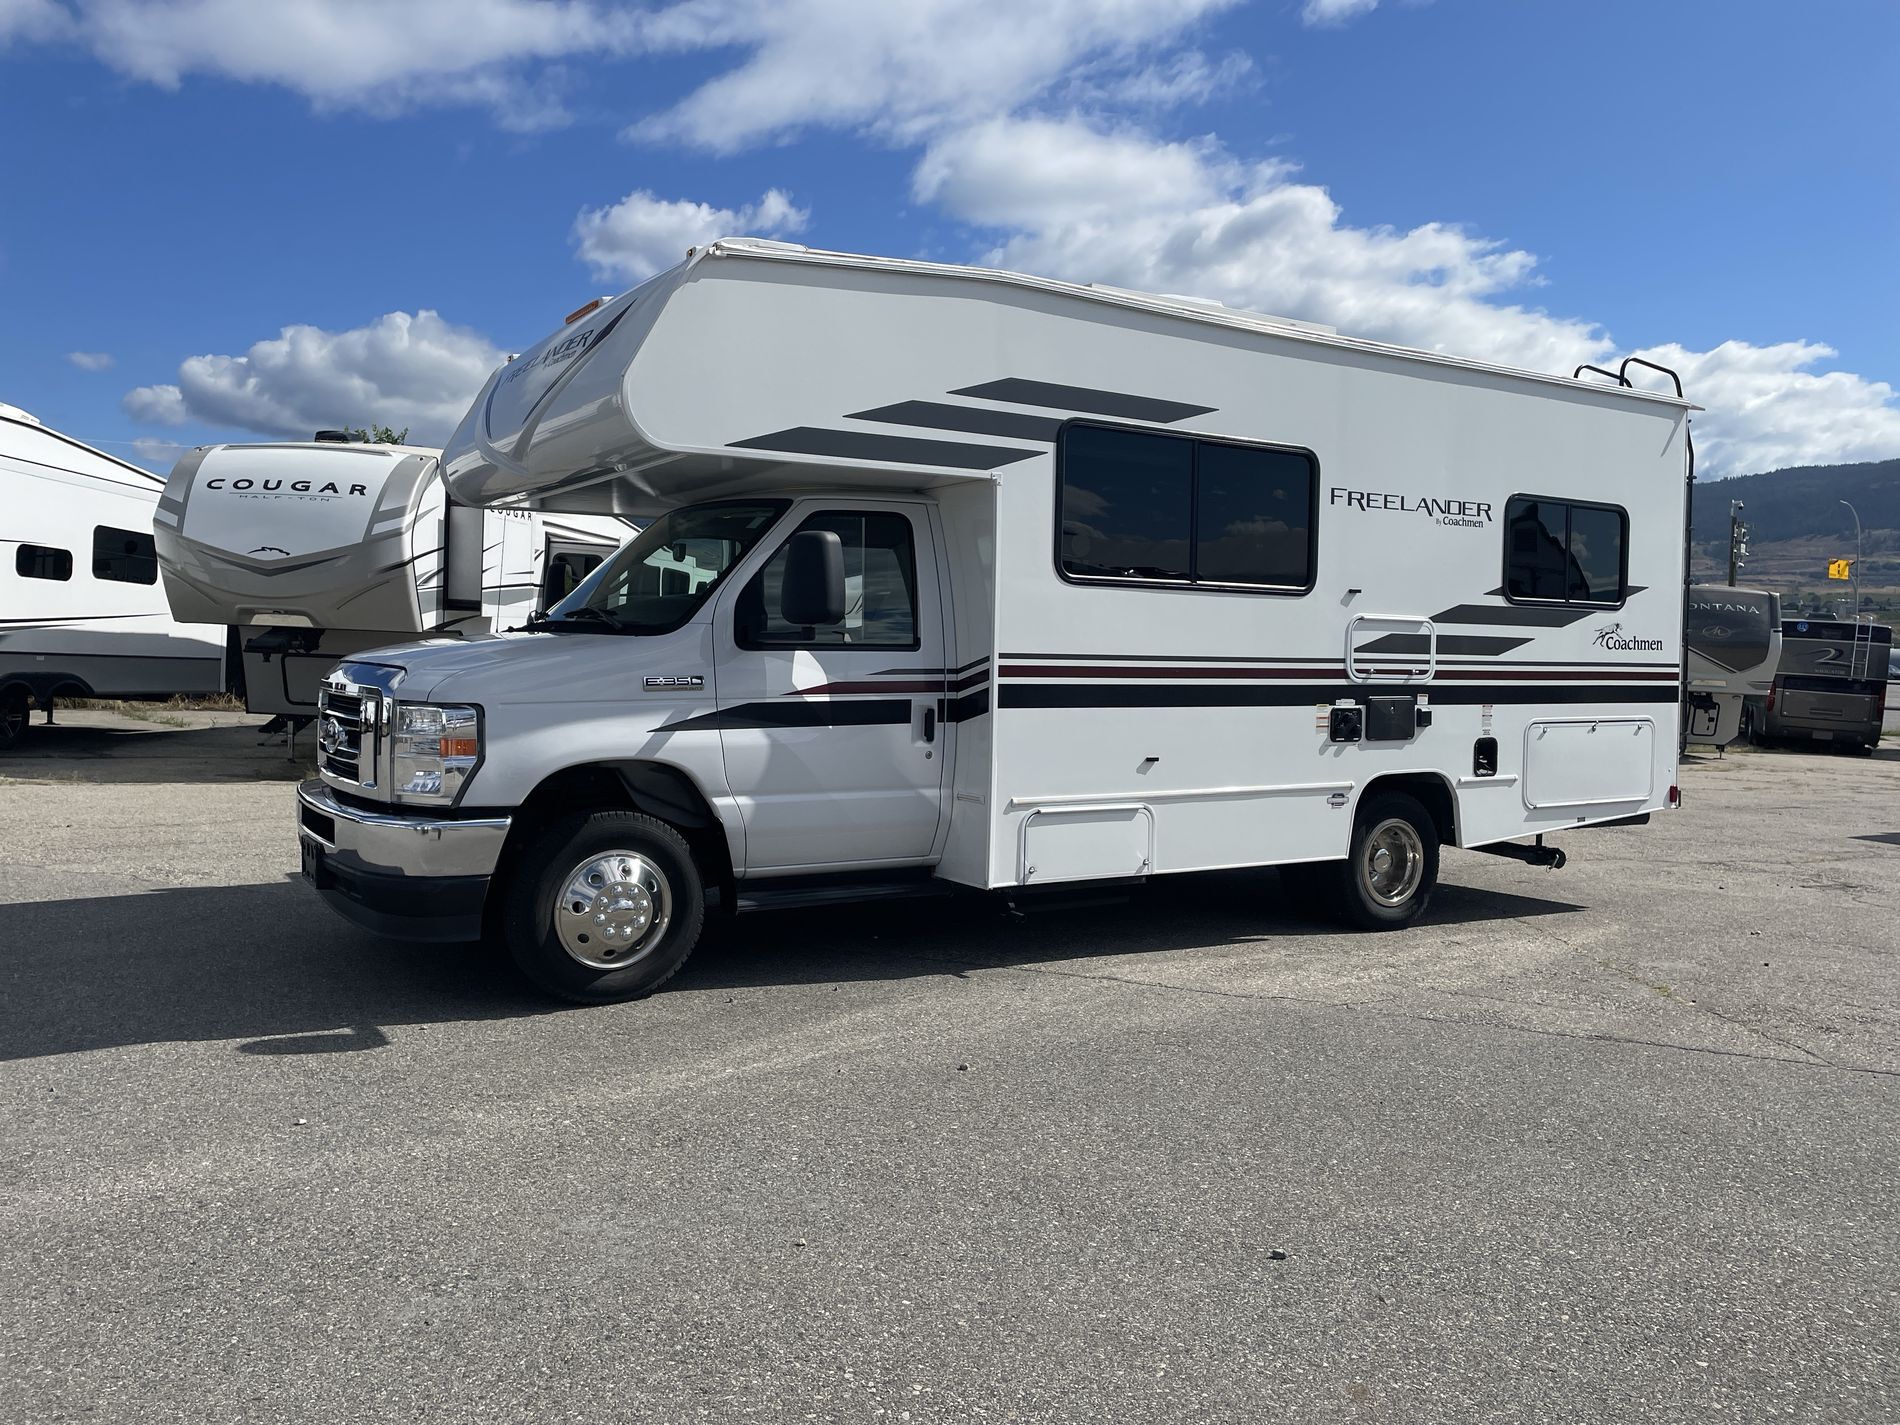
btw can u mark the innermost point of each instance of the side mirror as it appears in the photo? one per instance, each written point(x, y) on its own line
point(812, 592)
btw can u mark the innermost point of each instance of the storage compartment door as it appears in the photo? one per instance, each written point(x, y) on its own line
point(1087, 843)
point(1589, 762)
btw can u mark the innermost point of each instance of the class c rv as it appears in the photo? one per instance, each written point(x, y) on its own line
point(315, 551)
point(1734, 646)
point(81, 613)
point(1830, 685)
point(963, 578)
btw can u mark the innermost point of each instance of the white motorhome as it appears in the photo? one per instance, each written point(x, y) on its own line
point(81, 613)
point(1007, 583)
point(317, 550)
point(1733, 648)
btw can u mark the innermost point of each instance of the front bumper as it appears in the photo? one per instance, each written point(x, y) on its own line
point(413, 877)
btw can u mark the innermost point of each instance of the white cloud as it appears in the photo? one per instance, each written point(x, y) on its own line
point(641, 234)
point(157, 455)
point(901, 68)
point(32, 20)
point(1768, 408)
point(1073, 200)
point(402, 369)
point(156, 405)
point(1335, 12)
point(365, 54)
point(91, 360)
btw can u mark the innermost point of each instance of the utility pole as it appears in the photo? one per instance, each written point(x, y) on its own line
point(1737, 540)
point(1855, 570)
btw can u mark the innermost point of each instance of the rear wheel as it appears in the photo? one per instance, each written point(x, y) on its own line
point(16, 714)
point(1389, 874)
point(604, 907)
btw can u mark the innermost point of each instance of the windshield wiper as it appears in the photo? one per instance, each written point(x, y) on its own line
point(579, 618)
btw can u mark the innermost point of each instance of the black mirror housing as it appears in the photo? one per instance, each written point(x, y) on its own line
point(812, 593)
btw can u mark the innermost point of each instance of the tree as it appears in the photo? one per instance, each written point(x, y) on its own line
point(380, 435)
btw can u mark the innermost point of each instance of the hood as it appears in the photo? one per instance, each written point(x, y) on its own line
point(549, 668)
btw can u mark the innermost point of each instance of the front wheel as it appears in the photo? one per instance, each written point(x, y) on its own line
point(604, 907)
point(1390, 872)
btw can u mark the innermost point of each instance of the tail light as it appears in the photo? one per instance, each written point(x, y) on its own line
point(1771, 700)
point(1675, 796)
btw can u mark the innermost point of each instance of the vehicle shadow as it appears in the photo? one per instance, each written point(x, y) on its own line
point(127, 752)
point(266, 966)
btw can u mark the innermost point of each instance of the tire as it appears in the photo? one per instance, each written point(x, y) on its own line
point(16, 715)
point(1386, 893)
point(640, 873)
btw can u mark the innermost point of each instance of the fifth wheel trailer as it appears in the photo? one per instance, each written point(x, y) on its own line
point(81, 613)
point(1733, 648)
point(317, 550)
point(1005, 583)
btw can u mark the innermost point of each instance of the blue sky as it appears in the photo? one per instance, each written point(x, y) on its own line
point(250, 219)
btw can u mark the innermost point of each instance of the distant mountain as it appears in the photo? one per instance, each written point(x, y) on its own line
point(1797, 524)
point(1803, 500)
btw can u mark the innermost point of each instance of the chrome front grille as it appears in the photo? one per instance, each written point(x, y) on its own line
point(347, 733)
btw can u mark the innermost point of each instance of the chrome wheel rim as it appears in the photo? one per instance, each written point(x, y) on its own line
point(1393, 863)
point(612, 909)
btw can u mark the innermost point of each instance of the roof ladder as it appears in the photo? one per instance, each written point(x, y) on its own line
point(1863, 650)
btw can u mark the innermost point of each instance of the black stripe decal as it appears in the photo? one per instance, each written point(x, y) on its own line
point(1447, 644)
point(1083, 398)
point(1514, 615)
point(1223, 695)
point(892, 449)
point(970, 705)
point(936, 415)
point(855, 712)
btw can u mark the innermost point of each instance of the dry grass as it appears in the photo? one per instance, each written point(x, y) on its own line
point(155, 711)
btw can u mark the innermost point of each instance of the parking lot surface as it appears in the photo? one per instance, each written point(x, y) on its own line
point(1613, 1143)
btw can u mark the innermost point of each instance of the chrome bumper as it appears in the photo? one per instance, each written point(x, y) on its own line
point(413, 877)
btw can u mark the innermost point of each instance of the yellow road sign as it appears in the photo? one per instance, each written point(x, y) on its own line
point(1840, 568)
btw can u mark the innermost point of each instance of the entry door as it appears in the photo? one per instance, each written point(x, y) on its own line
point(833, 737)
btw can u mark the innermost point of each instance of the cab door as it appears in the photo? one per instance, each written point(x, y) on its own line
point(832, 735)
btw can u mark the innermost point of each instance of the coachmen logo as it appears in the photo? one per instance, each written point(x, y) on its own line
point(1612, 637)
point(1463, 514)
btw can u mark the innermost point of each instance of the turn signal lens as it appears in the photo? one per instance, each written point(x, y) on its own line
point(459, 747)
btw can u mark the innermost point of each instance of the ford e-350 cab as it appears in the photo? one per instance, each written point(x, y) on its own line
point(964, 578)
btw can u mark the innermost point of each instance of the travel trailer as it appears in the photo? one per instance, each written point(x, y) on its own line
point(1003, 583)
point(81, 613)
point(1734, 646)
point(317, 550)
point(1830, 685)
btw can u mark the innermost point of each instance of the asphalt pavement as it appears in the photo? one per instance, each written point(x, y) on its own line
point(1612, 1143)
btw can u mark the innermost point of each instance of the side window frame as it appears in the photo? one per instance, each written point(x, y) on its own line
point(1192, 584)
point(20, 559)
point(744, 640)
point(1622, 562)
point(112, 559)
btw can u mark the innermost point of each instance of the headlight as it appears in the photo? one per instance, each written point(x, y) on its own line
point(435, 750)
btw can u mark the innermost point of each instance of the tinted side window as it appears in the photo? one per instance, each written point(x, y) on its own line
point(40, 561)
point(1562, 552)
point(1127, 504)
point(1253, 516)
point(124, 556)
point(880, 586)
point(1596, 554)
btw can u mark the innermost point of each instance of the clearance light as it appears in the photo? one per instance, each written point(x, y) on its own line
point(579, 312)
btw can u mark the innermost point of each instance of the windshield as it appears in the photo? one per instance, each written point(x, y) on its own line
point(658, 580)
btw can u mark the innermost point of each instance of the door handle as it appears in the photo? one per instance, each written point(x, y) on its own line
point(930, 724)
